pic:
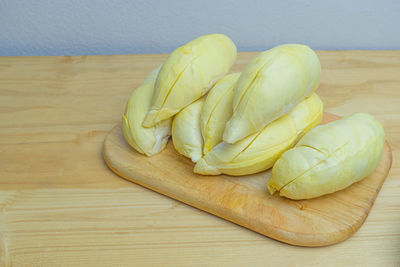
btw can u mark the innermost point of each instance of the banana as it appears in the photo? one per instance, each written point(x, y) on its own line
point(270, 86)
point(148, 141)
point(260, 150)
point(329, 158)
point(188, 73)
point(186, 135)
point(217, 110)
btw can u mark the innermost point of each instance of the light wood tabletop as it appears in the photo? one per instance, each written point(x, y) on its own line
point(61, 206)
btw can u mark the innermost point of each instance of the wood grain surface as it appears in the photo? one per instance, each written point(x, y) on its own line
point(62, 206)
point(245, 200)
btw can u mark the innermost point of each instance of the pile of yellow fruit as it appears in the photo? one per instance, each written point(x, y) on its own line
point(248, 122)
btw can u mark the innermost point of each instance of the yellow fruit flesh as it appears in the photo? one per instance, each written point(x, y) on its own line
point(270, 86)
point(217, 110)
point(259, 151)
point(188, 74)
point(148, 141)
point(186, 135)
point(329, 158)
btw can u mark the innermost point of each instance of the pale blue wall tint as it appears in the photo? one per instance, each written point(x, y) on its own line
point(82, 27)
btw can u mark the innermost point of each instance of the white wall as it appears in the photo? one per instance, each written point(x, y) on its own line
point(81, 27)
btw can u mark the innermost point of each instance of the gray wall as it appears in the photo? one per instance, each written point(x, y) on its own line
point(82, 27)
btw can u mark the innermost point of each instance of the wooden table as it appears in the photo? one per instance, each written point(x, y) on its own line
point(61, 206)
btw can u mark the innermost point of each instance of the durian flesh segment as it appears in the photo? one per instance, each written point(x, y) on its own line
point(148, 141)
point(186, 135)
point(188, 73)
point(270, 86)
point(217, 110)
point(259, 151)
point(329, 158)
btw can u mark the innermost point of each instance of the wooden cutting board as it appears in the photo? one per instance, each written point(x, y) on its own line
point(245, 200)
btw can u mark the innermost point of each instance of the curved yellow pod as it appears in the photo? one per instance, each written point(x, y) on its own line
point(271, 85)
point(186, 135)
point(148, 141)
point(188, 74)
point(329, 158)
point(259, 151)
point(217, 110)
